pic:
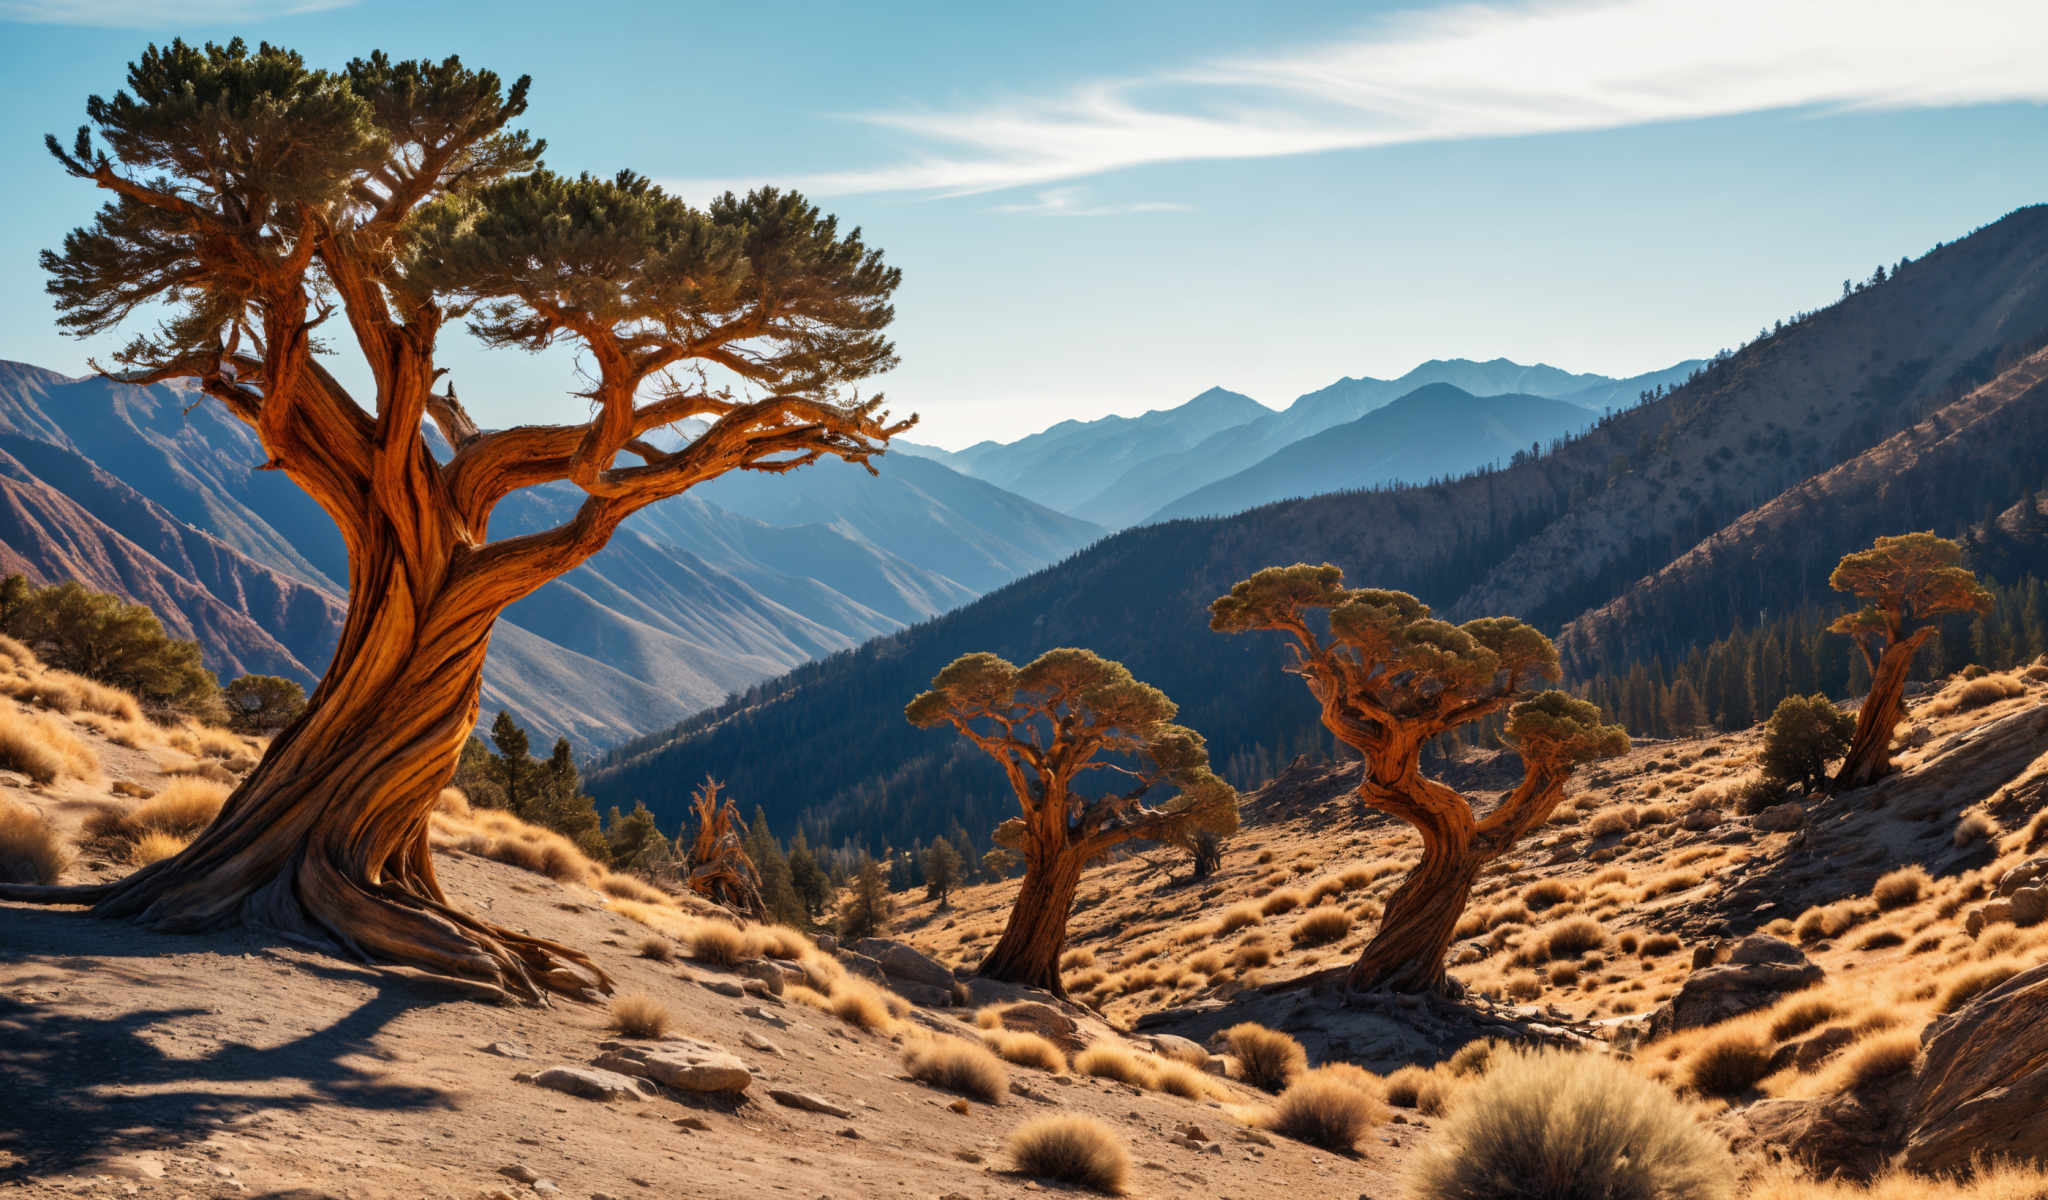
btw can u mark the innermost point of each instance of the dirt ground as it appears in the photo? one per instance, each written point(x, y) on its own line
point(135, 1063)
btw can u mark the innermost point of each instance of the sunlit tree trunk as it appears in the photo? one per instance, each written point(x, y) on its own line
point(1408, 951)
point(327, 838)
point(1870, 748)
point(1029, 950)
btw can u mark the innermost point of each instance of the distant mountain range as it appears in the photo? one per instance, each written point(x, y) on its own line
point(1914, 403)
point(1121, 471)
point(139, 491)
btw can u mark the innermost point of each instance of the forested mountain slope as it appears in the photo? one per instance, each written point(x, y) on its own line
point(1547, 539)
point(139, 491)
point(1961, 464)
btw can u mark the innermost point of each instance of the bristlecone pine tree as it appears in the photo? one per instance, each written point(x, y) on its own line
point(1389, 677)
point(1049, 723)
point(280, 213)
point(1907, 584)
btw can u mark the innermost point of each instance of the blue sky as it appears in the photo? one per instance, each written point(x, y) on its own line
point(1110, 208)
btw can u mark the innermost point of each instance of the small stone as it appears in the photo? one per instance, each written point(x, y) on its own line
point(725, 987)
point(850, 1133)
point(809, 1102)
point(545, 1187)
point(754, 1041)
point(507, 1050)
point(756, 1012)
point(968, 1156)
point(589, 1083)
point(696, 1124)
point(519, 1173)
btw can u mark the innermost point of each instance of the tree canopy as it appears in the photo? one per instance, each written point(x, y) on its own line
point(1069, 712)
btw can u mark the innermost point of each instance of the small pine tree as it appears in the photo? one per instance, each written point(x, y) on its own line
point(1206, 853)
point(942, 868)
point(263, 703)
point(813, 886)
point(636, 841)
point(1804, 735)
point(867, 909)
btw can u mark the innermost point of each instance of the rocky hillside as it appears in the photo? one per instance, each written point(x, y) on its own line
point(1548, 539)
point(139, 491)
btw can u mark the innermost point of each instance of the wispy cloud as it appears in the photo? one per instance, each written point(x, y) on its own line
point(149, 14)
point(1477, 71)
point(1073, 202)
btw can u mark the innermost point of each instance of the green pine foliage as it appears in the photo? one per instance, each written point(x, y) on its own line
point(868, 907)
point(112, 640)
point(1804, 735)
point(263, 703)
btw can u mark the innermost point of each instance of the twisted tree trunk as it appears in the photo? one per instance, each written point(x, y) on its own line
point(1869, 758)
point(1029, 951)
point(326, 840)
point(1408, 951)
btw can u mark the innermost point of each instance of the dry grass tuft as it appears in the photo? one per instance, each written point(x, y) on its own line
point(1270, 1059)
point(1026, 1050)
point(1554, 1116)
point(862, 1005)
point(155, 846)
point(639, 1015)
point(1970, 982)
point(1325, 1108)
point(628, 887)
point(1897, 889)
point(959, 1066)
point(1179, 1079)
point(1875, 1060)
point(1966, 694)
point(720, 943)
point(1238, 916)
point(1418, 1088)
point(1069, 1149)
point(1320, 926)
point(1283, 901)
point(778, 942)
point(1107, 1061)
point(30, 851)
point(1728, 1063)
point(660, 949)
point(1976, 826)
point(1794, 1016)
point(41, 749)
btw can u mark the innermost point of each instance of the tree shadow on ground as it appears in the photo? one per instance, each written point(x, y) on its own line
point(81, 1087)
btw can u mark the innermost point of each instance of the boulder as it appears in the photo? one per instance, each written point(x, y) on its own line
point(1047, 1022)
point(590, 1083)
point(1982, 1088)
point(2030, 874)
point(1781, 818)
point(1696, 819)
point(1180, 1049)
point(684, 1064)
point(2029, 905)
point(1758, 971)
point(1831, 1136)
point(769, 974)
point(903, 961)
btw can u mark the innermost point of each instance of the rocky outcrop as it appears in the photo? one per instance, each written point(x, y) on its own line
point(912, 974)
point(2022, 898)
point(680, 1063)
point(1758, 971)
point(1982, 1088)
